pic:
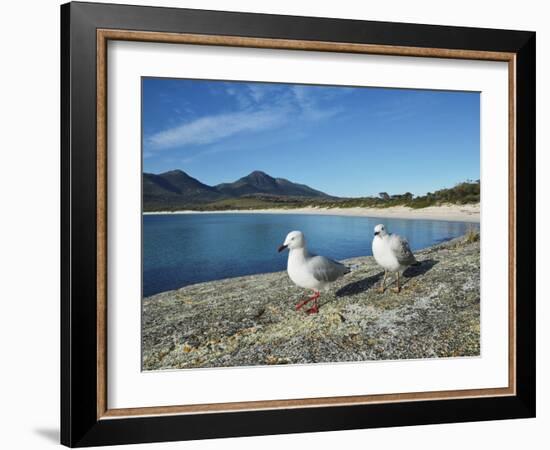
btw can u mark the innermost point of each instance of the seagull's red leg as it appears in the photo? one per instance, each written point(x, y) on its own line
point(307, 300)
point(302, 303)
point(315, 308)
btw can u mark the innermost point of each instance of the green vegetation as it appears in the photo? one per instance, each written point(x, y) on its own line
point(463, 193)
point(471, 236)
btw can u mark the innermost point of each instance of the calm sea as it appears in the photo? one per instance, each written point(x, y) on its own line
point(183, 249)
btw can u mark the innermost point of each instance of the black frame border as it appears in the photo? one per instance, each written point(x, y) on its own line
point(79, 423)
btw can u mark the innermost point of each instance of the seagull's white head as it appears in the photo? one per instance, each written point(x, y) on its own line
point(380, 230)
point(294, 239)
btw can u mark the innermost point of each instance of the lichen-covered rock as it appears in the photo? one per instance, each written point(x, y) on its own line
point(251, 320)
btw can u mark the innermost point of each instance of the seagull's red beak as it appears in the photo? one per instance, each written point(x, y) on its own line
point(281, 248)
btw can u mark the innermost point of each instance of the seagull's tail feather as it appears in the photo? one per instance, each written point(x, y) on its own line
point(352, 268)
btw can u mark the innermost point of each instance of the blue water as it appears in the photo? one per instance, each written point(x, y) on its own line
point(184, 249)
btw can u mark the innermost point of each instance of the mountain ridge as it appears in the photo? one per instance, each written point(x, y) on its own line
point(258, 182)
point(176, 188)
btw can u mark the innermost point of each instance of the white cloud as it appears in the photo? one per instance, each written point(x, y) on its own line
point(309, 106)
point(250, 94)
point(242, 98)
point(260, 107)
point(258, 92)
point(210, 129)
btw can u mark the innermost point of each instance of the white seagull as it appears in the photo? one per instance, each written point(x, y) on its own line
point(310, 271)
point(392, 252)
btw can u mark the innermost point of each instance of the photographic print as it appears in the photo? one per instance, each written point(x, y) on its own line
point(300, 224)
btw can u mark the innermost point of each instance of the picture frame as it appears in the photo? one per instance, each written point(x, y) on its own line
point(86, 418)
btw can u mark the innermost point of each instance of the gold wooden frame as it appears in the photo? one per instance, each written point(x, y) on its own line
point(103, 36)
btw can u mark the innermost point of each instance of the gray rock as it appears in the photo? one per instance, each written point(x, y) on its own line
point(251, 320)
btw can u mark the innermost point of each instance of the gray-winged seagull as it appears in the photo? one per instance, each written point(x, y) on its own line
point(310, 271)
point(392, 252)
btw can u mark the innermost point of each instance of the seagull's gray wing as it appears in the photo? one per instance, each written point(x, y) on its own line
point(324, 269)
point(401, 250)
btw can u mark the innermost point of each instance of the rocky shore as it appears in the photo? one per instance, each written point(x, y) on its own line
point(251, 320)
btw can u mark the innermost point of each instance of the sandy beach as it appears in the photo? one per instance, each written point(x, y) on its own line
point(453, 213)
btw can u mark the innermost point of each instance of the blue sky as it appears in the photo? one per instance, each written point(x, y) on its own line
point(343, 141)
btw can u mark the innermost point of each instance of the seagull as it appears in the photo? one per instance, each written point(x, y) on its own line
point(392, 252)
point(310, 271)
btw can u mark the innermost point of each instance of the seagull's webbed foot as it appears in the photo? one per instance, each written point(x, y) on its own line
point(315, 296)
point(313, 310)
point(302, 303)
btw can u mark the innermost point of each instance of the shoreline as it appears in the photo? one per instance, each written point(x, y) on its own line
point(449, 213)
point(348, 261)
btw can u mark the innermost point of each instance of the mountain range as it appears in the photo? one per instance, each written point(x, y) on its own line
point(177, 189)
